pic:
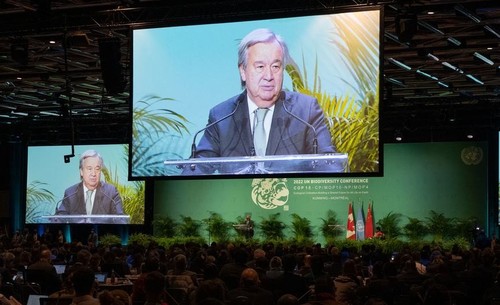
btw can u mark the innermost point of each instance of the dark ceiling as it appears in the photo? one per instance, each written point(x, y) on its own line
point(441, 64)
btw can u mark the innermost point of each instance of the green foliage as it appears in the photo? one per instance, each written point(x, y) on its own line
point(390, 225)
point(164, 226)
point(152, 129)
point(347, 244)
point(439, 225)
point(462, 227)
point(461, 242)
point(36, 195)
point(272, 227)
point(218, 228)
point(301, 228)
point(272, 232)
point(330, 227)
point(140, 239)
point(108, 240)
point(353, 124)
point(189, 227)
point(415, 229)
point(132, 194)
point(168, 242)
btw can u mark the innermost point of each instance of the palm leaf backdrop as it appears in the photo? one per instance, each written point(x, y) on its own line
point(39, 201)
point(154, 136)
point(132, 194)
point(353, 123)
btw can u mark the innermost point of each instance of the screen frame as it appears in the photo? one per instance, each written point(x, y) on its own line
point(58, 155)
point(262, 17)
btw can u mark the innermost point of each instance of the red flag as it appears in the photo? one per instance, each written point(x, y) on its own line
point(369, 223)
point(351, 232)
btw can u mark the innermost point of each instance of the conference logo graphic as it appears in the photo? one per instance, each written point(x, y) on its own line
point(472, 155)
point(270, 193)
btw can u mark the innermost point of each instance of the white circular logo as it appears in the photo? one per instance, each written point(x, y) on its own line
point(269, 193)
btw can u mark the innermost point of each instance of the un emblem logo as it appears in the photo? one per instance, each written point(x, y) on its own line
point(472, 155)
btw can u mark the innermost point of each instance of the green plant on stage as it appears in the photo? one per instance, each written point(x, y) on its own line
point(188, 227)
point(168, 242)
point(439, 225)
point(390, 225)
point(36, 198)
point(301, 229)
point(415, 229)
point(140, 239)
point(330, 227)
point(164, 226)
point(464, 227)
point(353, 124)
point(272, 227)
point(108, 240)
point(154, 135)
point(218, 228)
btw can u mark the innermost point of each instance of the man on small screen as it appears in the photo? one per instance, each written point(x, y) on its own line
point(92, 196)
point(264, 119)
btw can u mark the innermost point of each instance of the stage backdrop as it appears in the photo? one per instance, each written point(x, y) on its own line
point(449, 178)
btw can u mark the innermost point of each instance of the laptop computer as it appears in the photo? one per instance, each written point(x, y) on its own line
point(101, 277)
point(60, 268)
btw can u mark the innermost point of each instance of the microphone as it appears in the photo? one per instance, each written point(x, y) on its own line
point(193, 145)
point(64, 198)
point(315, 140)
point(115, 205)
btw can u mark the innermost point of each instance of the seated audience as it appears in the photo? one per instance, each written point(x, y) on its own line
point(249, 289)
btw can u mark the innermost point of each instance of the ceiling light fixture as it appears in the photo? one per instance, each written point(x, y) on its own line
point(474, 79)
point(483, 58)
point(432, 56)
point(430, 27)
point(399, 64)
point(456, 42)
point(491, 30)
point(396, 82)
point(452, 67)
point(444, 85)
point(461, 9)
point(420, 72)
point(398, 135)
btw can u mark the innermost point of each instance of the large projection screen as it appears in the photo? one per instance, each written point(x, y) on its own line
point(179, 73)
point(49, 177)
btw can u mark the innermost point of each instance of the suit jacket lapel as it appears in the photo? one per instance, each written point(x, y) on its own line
point(97, 200)
point(241, 122)
point(277, 127)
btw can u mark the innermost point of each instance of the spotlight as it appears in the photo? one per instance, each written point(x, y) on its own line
point(398, 135)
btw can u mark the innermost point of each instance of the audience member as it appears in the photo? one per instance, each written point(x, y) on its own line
point(231, 271)
point(115, 297)
point(44, 273)
point(250, 290)
point(84, 285)
point(154, 287)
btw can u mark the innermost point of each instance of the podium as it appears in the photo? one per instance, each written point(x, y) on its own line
point(243, 230)
point(240, 227)
point(248, 165)
point(84, 218)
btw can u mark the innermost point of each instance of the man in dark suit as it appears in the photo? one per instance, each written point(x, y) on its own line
point(44, 273)
point(92, 196)
point(292, 123)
